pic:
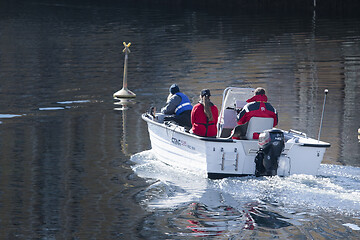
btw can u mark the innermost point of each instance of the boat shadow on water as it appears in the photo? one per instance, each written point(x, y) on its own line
point(186, 204)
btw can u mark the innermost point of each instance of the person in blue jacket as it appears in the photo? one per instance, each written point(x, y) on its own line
point(178, 106)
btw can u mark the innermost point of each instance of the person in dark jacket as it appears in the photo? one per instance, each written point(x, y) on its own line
point(204, 116)
point(178, 106)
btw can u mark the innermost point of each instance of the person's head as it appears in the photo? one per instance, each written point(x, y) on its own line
point(205, 93)
point(205, 100)
point(174, 89)
point(259, 91)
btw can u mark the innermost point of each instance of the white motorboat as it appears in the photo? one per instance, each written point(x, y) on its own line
point(276, 152)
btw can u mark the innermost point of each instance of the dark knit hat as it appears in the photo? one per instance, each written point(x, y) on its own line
point(174, 89)
point(205, 92)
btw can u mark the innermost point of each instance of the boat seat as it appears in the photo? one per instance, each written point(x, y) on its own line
point(258, 125)
point(229, 119)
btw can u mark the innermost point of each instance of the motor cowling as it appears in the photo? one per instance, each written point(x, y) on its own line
point(271, 144)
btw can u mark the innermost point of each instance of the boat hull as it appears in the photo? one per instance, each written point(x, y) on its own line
point(222, 157)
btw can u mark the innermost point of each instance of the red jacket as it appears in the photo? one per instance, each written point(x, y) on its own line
point(257, 107)
point(200, 124)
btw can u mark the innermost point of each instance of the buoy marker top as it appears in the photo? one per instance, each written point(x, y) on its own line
point(124, 92)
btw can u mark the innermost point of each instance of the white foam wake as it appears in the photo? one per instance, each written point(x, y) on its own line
point(335, 189)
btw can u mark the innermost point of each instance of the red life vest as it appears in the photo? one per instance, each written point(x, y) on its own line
point(201, 126)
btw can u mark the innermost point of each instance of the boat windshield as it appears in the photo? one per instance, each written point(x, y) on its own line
point(236, 97)
point(233, 99)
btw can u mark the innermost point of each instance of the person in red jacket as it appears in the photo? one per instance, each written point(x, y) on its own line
point(257, 107)
point(204, 116)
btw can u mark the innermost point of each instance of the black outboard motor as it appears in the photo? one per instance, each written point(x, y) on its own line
point(271, 144)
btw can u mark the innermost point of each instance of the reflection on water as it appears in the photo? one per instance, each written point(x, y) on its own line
point(122, 104)
point(65, 146)
point(200, 220)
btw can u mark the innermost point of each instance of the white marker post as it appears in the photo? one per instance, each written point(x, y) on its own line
point(124, 92)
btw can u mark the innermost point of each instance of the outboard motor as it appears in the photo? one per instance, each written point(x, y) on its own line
point(271, 144)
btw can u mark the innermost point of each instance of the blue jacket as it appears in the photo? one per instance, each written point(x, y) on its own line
point(177, 104)
point(184, 104)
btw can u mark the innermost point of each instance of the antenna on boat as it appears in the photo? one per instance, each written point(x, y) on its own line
point(322, 114)
point(124, 92)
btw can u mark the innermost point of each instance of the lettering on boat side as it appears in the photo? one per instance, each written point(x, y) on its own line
point(182, 143)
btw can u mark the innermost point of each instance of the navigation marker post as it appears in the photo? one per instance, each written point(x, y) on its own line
point(124, 92)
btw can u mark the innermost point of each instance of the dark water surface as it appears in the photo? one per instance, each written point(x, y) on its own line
point(73, 165)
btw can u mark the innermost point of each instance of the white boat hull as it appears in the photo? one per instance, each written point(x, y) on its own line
point(222, 157)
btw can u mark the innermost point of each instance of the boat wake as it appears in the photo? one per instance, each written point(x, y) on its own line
point(211, 207)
